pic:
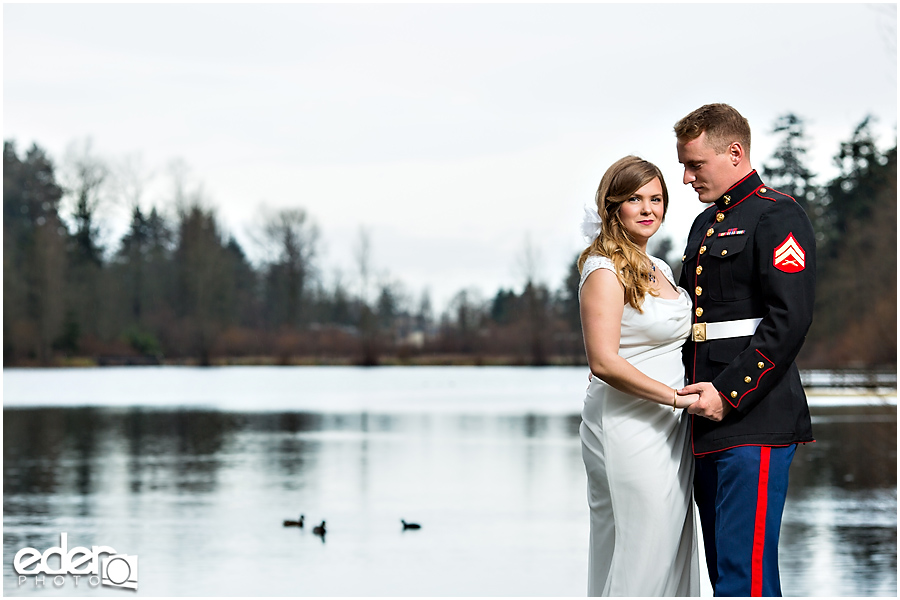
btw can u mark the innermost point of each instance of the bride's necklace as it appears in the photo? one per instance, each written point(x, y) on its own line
point(650, 275)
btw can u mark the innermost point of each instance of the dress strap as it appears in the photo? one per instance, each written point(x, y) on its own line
point(591, 264)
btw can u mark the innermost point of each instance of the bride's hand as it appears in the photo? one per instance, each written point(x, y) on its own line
point(686, 400)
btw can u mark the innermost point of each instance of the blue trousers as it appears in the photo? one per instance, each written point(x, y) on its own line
point(740, 495)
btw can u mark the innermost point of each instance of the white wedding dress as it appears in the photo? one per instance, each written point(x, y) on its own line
point(639, 462)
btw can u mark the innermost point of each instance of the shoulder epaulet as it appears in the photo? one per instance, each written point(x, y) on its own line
point(773, 195)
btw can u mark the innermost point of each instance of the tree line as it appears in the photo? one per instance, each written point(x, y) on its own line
point(179, 288)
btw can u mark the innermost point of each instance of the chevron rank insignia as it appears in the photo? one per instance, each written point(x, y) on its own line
point(789, 256)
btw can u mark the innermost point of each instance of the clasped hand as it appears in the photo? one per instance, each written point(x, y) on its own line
point(710, 403)
point(683, 399)
point(686, 400)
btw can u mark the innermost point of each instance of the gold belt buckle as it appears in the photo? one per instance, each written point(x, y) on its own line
point(699, 332)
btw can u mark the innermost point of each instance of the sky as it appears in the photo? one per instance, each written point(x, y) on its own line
point(461, 137)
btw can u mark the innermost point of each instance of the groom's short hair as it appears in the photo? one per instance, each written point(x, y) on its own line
point(722, 123)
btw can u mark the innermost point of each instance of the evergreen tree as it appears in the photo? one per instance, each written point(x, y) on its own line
point(204, 283)
point(424, 315)
point(86, 179)
point(857, 263)
point(34, 260)
point(90, 292)
point(340, 302)
point(389, 305)
point(787, 171)
point(850, 196)
point(132, 258)
point(504, 307)
point(536, 300)
point(570, 308)
point(246, 306)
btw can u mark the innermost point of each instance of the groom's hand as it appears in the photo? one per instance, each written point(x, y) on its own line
point(711, 403)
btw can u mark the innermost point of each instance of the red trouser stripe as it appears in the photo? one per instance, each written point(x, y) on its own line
point(759, 529)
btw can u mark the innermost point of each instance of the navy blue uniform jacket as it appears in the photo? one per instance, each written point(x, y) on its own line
point(751, 254)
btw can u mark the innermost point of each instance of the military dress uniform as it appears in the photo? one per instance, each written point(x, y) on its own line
point(750, 267)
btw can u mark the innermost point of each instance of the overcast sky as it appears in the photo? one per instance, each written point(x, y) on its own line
point(452, 132)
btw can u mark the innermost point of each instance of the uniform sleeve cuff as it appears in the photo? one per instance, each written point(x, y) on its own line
point(729, 401)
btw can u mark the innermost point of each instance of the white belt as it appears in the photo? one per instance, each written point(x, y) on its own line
point(703, 332)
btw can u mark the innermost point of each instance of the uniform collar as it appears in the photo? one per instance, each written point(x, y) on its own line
point(739, 191)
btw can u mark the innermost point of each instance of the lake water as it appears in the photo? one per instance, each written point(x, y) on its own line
point(193, 471)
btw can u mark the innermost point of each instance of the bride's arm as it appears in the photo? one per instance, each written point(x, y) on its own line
point(602, 307)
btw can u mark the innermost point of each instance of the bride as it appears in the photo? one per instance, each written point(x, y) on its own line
point(635, 443)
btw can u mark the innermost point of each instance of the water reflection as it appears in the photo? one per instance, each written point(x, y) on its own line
point(201, 496)
point(841, 516)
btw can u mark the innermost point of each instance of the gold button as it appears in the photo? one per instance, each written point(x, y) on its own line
point(699, 313)
point(720, 217)
point(724, 252)
point(760, 365)
point(763, 190)
point(710, 231)
point(734, 394)
point(702, 249)
point(699, 270)
point(699, 290)
point(747, 379)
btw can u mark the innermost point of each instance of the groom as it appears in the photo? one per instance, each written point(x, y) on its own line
point(750, 267)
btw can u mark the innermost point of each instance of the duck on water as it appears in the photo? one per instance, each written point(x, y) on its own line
point(299, 523)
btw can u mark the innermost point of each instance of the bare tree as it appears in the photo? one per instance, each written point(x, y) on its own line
point(368, 321)
point(887, 29)
point(536, 299)
point(362, 255)
point(179, 172)
point(85, 179)
point(467, 313)
point(130, 180)
point(288, 239)
point(528, 261)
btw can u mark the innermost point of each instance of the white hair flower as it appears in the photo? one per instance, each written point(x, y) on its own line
point(590, 227)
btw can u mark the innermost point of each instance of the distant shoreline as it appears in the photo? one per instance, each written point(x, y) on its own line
point(427, 360)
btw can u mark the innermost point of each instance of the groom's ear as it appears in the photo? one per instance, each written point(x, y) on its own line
point(736, 153)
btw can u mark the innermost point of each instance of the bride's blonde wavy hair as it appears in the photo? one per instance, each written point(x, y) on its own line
point(625, 177)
